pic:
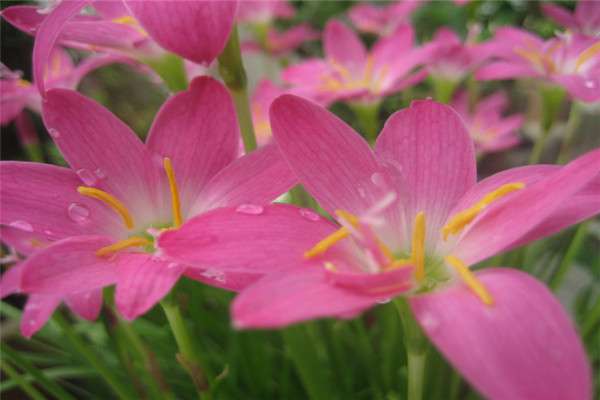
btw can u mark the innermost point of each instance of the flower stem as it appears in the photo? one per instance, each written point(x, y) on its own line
point(572, 125)
point(552, 97)
point(368, 118)
point(80, 346)
point(13, 374)
point(187, 356)
point(567, 261)
point(592, 318)
point(416, 349)
point(171, 70)
point(231, 68)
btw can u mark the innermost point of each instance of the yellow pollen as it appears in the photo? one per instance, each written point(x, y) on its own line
point(418, 246)
point(471, 280)
point(111, 201)
point(587, 54)
point(326, 243)
point(23, 83)
point(175, 204)
point(463, 218)
point(134, 241)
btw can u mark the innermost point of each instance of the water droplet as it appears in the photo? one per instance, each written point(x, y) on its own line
point(429, 322)
point(49, 234)
point(172, 265)
point(309, 214)
point(87, 177)
point(31, 322)
point(100, 174)
point(362, 193)
point(78, 213)
point(250, 209)
point(54, 133)
point(87, 296)
point(32, 306)
point(384, 301)
point(214, 274)
point(590, 84)
point(378, 179)
point(22, 225)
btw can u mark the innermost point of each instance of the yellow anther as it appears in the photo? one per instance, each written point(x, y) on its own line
point(470, 280)
point(175, 204)
point(327, 242)
point(463, 218)
point(418, 246)
point(111, 201)
point(131, 21)
point(587, 54)
point(134, 241)
point(351, 218)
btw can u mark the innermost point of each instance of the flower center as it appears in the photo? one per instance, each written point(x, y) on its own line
point(121, 209)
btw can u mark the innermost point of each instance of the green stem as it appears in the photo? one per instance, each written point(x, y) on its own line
point(592, 318)
point(231, 68)
point(81, 347)
point(368, 118)
point(572, 125)
point(171, 70)
point(26, 386)
point(567, 261)
point(416, 349)
point(552, 97)
point(187, 356)
point(443, 89)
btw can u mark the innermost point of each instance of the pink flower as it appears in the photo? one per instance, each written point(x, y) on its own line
point(412, 218)
point(570, 61)
point(17, 93)
point(489, 129)
point(382, 20)
point(349, 72)
point(195, 30)
point(94, 225)
point(585, 19)
point(264, 94)
point(281, 43)
point(264, 11)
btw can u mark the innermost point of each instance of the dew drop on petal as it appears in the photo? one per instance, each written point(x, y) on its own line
point(215, 275)
point(590, 84)
point(50, 235)
point(172, 265)
point(377, 179)
point(100, 174)
point(250, 209)
point(78, 213)
point(309, 214)
point(362, 193)
point(429, 322)
point(54, 133)
point(384, 301)
point(87, 176)
point(22, 225)
point(31, 322)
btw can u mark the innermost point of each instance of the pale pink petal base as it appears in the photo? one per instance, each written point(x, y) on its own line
point(37, 311)
point(524, 347)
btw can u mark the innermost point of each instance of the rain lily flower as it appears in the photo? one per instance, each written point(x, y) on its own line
point(95, 224)
point(411, 220)
point(279, 43)
point(569, 61)
point(349, 72)
point(585, 19)
point(194, 30)
point(264, 11)
point(17, 93)
point(264, 94)
point(489, 129)
point(382, 20)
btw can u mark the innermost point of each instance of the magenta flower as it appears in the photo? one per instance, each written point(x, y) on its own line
point(264, 11)
point(489, 129)
point(412, 219)
point(195, 30)
point(585, 19)
point(382, 20)
point(280, 43)
point(349, 72)
point(570, 61)
point(94, 225)
point(264, 94)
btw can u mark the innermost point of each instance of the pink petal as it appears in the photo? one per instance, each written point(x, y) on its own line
point(196, 30)
point(281, 42)
point(293, 296)
point(42, 200)
point(68, 266)
point(495, 229)
point(505, 70)
point(343, 46)
point(587, 14)
point(227, 239)
point(23, 241)
point(524, 346)
point(560, 15)
point(197, 129)
point(256, 178)
point(234, 281)
point(47, 35)
point(586, 89)
point(308, 71)
point(86, 304)
point(103, 151)
point(142, 281)
point(387, 49)
point(24, 18)
point(38, 309)
point(334, 163)
point(432, 152)
point(10, 283)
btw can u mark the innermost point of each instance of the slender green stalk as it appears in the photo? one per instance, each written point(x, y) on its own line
point(171, 70)
point(443, 89)
point(567, 261)
point(83, 349)
point(26, 386)
point(572, 124)
point(591, 320)
point(231, 68)
point(368, 118)
point(40, 377)
point(188, 356)
point(416, 349)
point(552, 97)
